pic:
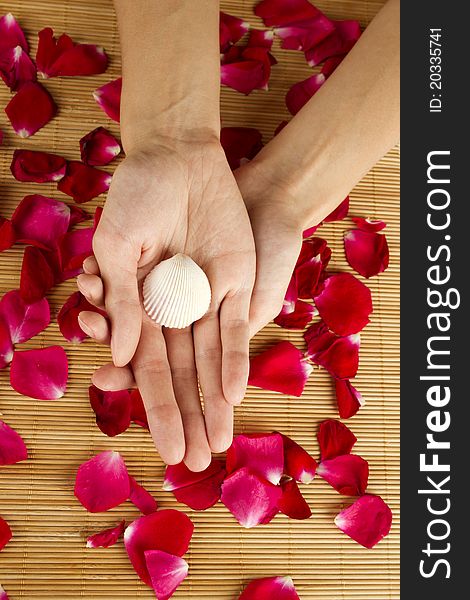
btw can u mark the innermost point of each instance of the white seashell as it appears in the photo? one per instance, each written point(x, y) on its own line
point(176, 292)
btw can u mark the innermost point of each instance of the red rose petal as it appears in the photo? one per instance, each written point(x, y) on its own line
point(99, 147)
point(348, 398)
point(366, 251)
point(40, 374)
point(369, 224)
point(62, 57)
point(301, 92)
point(335, 439)
point(299, 318)
point(338, 355)
point(260, 38)
point(345, 304)
point(347, 474)
point(166, 530)
point(141, 498)
point(102, 482)
point(310, 231)
point(11, 34)
point(310, 268)
point(82, 182)
point(12, 447)
point(31, 108)
point(16, 68)
point(281, 12)
point(232, 29)
point(282, 368)
point(337, 43)
point(138, 414)
point(270, 588)
point(240, 144)
point(74, 247)
point(292, 503)
point(5, 533)
point(40, 221)
point(203, 494)
point(263, 454)
point(298, 463)
point(7, 236)
point(303, 35)
point(108, 97)
point(6, 345)
point(251, 499)
point(36, 277)
point(339, 213)
point(107, 537)
point(38, 167)
point(179, 476)
point(68, 317)
point(367, 521)
point(112, 410)
point(244, 76)
point(77, 215)
point(24, 320)
point(166, 572)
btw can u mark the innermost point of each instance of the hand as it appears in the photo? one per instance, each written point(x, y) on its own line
point(164, 199)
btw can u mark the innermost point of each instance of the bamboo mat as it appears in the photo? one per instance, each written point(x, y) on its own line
point(47, 556)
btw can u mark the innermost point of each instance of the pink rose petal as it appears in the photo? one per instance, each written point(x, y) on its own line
point(292, 503)
point(339, 355)
point(12, 447)
point(298, 463)
point(82, 182)
point(369, 224)
point(6, 345)
point(337, 43)
point(282, 368)
point(335, 439)
point(282, 12)
point(112, 410)
point(141, 498)
point(347, 474)
point(270, 588)
point(68, 317)
point(99, 147)
point(367, 521)
point(40, 221)
point(339, 213)
point(165, 530)
point(24, 320)
point(179, 476)
point(167, 572)
point(5, 533)
point(344, 303)
point(40, 374)
point(30, 109)
point(240, 144)
point(11, 34)
point(74, 247)
point(37, 277)
point(348, 398)
point(203, 494)
point(232, 29)
point(262, 453)
point(366, 251)
point(301, 92)
point(7, 236)
point(108, 97)
point(107, 537)
point(251, 499)
point(63, 57)
point(16, 68)
point(38, 167)
point(102, 482)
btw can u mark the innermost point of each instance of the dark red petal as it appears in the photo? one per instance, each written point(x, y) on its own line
point(335, 439)
point(260, 38)
point(330, 64)
point(340, 212)
point(166, 530)
point(298, 463)
point(369, 224)
point(344, 303)
point(303, 35)
point(347, 474)
point(106, 538)
point(108, 97)
point(16, 68)
point(299, 318)
point(341, 357)
point(179, 476)
point(141, 498)
point(77, 215)
point(31, 108)
point(7, 236)
point(166, 572)
point(232, 29)
point(281, 12)
point(310, 231)
point(367, 252)
point(40, 374)
point(244, 76)
point(240, 144)
point(270, 588)
point(112, 410)
point(12, 447)
point(301, 92)
point(204, 494)
point(310, 268)
point(262, 453)
point(82, 182)
point(138, 414)
point(6, 345)
point(292, 503)
point(38, 167)
point(74, 247)
point(348, 398)
point(251, 499)
point(37, 277)
point(102, 482)
point(5, 533)
point(281, 368)
point(99, 147)
point(40, 221)
point(62, 57)
point(11, 34)
point(68, 317)
point(367, 521)
point(338, 43)
point(24, 320)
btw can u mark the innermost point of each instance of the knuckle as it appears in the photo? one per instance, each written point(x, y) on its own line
point(154, 366)
point(209, 354)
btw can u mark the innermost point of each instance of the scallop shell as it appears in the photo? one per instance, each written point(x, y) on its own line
point(176, 292)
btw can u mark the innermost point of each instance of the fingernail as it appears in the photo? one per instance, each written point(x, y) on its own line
point(84, 327)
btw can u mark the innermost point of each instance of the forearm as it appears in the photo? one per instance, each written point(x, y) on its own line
point(171, 70)
point(350, 123)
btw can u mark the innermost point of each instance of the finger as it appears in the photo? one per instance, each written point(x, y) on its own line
point(91, 286)
point(90, 266)
point(235, 337)
point(111, 378)
point(218, 412)
point(118, 266)
point(180, 349)
point(153, 377)
point(95, 325)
